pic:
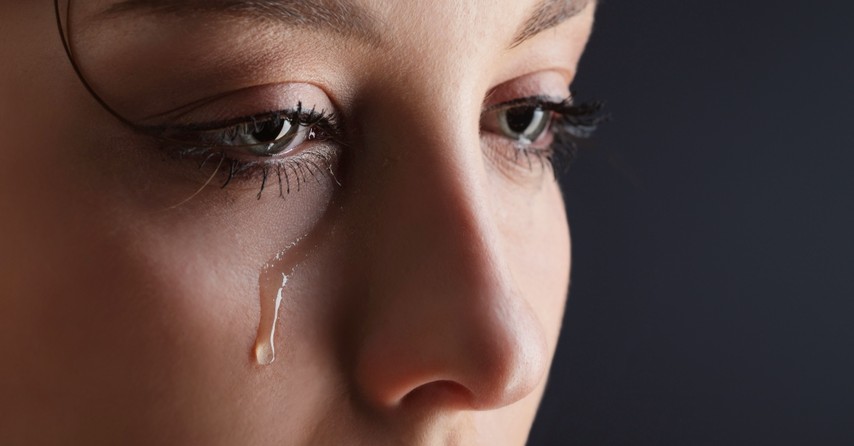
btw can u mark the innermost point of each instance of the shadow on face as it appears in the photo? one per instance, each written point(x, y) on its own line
point(262, 222)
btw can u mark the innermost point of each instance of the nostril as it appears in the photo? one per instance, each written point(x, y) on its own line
point(442, 393)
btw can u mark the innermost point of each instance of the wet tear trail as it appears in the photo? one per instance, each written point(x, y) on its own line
point(273, 281)
point(273, 285)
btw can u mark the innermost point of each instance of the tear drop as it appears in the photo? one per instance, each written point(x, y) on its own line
point(265, 343)
point(272, 283)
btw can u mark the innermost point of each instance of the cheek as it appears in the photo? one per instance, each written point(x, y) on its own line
point(127, 319)
point(145, 316)
point(536, 236)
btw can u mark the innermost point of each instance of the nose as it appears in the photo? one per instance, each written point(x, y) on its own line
point(444, 323)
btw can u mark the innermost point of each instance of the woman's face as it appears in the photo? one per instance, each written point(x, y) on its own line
point(389, 210)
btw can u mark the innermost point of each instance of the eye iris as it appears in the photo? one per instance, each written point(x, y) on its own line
point(520, 118)
point(271, 138)
point(525, 123)
point(270, 131)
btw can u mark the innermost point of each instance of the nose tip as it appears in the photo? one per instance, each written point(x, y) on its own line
point(455, 363)
point(452, 332)
point(502, 362)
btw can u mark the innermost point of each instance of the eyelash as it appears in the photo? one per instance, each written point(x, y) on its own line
point(210, 141)
point(567, 123)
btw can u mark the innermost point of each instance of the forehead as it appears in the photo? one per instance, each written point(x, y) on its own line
point(371, 20)
point(206, 46)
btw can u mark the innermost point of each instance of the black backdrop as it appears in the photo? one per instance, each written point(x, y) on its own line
point(712, 297)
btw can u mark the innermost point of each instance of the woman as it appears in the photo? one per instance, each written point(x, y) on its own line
point(282, 222)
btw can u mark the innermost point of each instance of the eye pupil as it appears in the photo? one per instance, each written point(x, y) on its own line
point(520, 118)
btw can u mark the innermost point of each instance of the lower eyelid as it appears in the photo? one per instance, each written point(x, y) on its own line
point(517, 160)
point(316, 162)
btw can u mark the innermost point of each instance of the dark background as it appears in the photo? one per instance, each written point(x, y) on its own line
point(712, 296)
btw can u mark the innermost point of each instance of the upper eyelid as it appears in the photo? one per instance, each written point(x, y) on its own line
point(184, 136)
point(541, 100)
point(305, 116)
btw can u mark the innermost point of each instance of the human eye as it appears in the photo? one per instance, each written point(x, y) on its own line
point(282, 148)
point(539, 130)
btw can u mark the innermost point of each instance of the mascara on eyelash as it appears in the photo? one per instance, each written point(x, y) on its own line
point(574, 122)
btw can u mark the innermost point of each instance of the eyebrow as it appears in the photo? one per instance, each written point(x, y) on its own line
point(548, 14)
point(340, 16)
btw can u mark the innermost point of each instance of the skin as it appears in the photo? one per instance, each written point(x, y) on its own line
point(424, 308)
